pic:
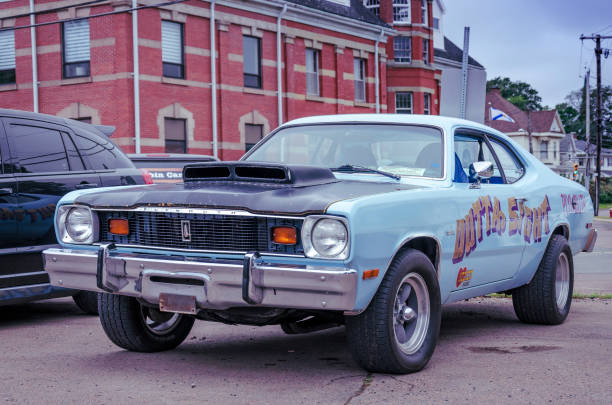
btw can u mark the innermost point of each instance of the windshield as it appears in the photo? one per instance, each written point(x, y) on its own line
point(405, 150)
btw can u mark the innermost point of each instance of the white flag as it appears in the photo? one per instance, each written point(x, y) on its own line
point(499, 115)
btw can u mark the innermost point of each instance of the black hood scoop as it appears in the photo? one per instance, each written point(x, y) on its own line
point(258, 172)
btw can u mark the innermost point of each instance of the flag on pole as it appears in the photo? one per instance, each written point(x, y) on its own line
point(499, 115)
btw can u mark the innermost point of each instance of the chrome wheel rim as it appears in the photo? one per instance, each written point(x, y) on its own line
point(562, 280)
point(411, 313)
point(159, 323)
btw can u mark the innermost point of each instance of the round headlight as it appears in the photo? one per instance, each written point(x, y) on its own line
point(329, 237)
point(79, 224)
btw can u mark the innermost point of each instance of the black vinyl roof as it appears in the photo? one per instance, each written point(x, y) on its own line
point(453, 52)
point(356, 11)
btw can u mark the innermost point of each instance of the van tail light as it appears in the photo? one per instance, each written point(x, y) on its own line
point(148, 179)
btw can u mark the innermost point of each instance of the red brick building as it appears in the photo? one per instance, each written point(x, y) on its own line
point(336, 56)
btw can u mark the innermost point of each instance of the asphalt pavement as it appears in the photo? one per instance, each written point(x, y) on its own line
point(593, 271)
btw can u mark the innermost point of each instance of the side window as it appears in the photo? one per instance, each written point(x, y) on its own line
point(74, 158)
point(470, 149)
point(101, 154)
point(37, 149)
point(510, 164)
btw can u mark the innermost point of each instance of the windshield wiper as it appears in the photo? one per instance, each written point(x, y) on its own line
point(356, 169)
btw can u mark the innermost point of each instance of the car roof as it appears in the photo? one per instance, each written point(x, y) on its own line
point(100, 130)
point(418, 119)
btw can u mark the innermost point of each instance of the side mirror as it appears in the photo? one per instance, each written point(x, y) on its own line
point(481, 170)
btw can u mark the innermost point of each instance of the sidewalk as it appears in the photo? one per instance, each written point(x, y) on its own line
point(593, 271)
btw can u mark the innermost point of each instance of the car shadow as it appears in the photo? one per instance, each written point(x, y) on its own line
point(251, 349)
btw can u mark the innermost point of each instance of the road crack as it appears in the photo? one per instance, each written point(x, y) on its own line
point(367, 380)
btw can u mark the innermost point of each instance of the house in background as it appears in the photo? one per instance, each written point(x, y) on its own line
point(448, 57)
point(546, 128)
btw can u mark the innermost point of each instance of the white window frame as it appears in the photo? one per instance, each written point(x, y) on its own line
point(406, 52)
point(402, 12)
point(373, 6)
point(427, 103)
point(404, 109)
point(424, 12)
point(173, 48)
point(313, 87)
point(76, 49)
point(359, 65)
point(7, 54)
point(543, 151)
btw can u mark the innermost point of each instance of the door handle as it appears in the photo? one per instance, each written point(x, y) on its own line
point(86, 185)
point(6, 191)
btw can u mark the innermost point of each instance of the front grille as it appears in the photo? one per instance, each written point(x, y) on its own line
point(212, 232)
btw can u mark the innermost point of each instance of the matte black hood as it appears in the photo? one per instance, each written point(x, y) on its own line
point(303, 190)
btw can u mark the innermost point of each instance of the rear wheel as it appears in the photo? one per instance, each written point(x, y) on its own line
point(398, 332)
point(548, 297)
point(132, 326)
point(87, 301)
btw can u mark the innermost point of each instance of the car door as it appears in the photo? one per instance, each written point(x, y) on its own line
point(47, 166)
point(8, 202)
point(488, 244)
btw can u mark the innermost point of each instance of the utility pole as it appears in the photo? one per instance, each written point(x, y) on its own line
point(464, 73)
point(587, 169)
point(598, 52)
point(529, 130)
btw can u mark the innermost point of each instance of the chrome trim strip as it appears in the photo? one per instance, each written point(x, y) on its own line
point(17, 275)
point(218, 252)
point(200, 211)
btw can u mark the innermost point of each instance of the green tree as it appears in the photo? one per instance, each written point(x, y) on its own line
point(573, 114)
point(519, 93)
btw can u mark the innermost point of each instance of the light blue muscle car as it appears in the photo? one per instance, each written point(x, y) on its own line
point(370, 221)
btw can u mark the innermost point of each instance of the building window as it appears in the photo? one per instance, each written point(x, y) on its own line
point(424, 12)
point(401, 11)
point(427, 103)
point(544, 150)
point(251, 48)
point(173, 55)
point(252, 134)
point(402, 49)
point(312, 72)
point(426, 51)
point(403, 103)
point(175, 133)
point(554, 147)
point(7, 57)
point(373, 6)
point(360, 74)
point(76, 48)
point(86, 120)
point(436, 23)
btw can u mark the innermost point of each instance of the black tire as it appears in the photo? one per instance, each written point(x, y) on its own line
point(87, 302)
point(137, 328)
point(372, 335)
point(548, 297)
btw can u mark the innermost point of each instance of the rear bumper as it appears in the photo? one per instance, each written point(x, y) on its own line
point(215, 284)
point(591, 239)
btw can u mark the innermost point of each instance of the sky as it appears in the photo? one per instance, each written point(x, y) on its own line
point(535, 41)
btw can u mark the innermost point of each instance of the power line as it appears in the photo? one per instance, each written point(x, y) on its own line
point(93, 16)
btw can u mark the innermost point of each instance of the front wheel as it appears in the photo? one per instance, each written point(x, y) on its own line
point(398, 332)
point(87, 302)
point(134, 327)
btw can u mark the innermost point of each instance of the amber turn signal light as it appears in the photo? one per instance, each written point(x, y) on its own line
point(119, 226)
point(370, 274)
point(284, 235)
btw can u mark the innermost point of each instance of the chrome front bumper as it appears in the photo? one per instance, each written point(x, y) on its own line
point(215, 284)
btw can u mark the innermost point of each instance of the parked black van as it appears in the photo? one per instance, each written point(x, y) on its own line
point(43, 157)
